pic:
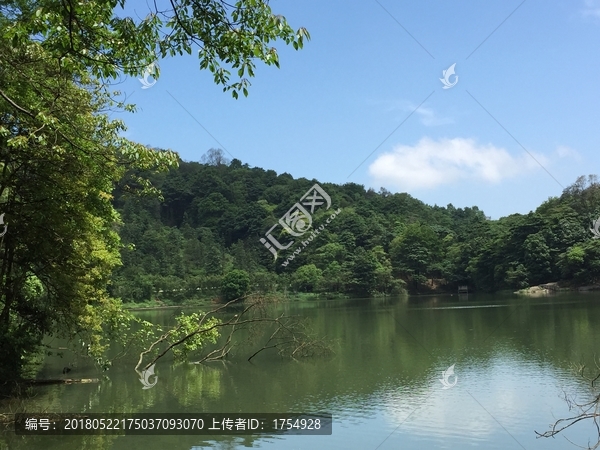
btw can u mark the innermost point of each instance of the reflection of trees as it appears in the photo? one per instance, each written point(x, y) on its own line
point(196, 383)
point(370, 340)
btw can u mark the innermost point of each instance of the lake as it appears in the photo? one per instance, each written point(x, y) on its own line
point(512, 361)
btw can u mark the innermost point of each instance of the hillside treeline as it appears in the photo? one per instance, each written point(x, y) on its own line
point(207, 230)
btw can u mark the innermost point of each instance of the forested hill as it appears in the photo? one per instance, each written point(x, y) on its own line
point(214, 214)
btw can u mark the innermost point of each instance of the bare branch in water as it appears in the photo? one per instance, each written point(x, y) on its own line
point(290, 337)
point(584, 411)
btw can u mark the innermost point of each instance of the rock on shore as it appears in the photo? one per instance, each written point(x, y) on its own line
point(548, 288)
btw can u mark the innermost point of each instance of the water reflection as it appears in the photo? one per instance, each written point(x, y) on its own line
point(512, 358)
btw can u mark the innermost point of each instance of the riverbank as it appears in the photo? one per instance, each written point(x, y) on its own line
point(557, 286)
point(194, 303)
point(149, 305)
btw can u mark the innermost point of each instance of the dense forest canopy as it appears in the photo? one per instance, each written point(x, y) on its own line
point(215, 213)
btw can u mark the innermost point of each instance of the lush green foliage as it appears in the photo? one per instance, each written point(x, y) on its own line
point(214, 214)
point(195, 337)
point(235, 285)
point(306, 278)
point(61, 156)
point(96, 38)
point(59, 160)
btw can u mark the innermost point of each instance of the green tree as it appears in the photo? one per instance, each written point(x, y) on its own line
point(96, 38)
point(306, 278)
point(364, 272)
point(211, 209)
point(537, 258)
point(416, 250)
point(581, 263)
point(60, 158)
point(235, 284)
point(384, 281)
point(329, 253)
point(572, 262)
point(334, 278)
point(517, 276)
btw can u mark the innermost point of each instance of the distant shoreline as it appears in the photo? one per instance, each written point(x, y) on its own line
point(147, 308)
point(548, 288)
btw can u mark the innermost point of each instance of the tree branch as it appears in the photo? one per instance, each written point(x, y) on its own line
point(289, 335)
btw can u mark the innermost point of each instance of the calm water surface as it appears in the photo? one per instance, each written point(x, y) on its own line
point(512, 360)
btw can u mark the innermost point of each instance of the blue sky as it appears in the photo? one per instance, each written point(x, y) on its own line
point(520, 124)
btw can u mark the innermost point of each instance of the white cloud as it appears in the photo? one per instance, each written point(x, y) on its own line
point(592, 8)
point(430, 119)
point(427, 116)
point(563, 151)
point(430, 164)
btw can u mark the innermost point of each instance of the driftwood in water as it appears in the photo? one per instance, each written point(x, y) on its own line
point(63, 381)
